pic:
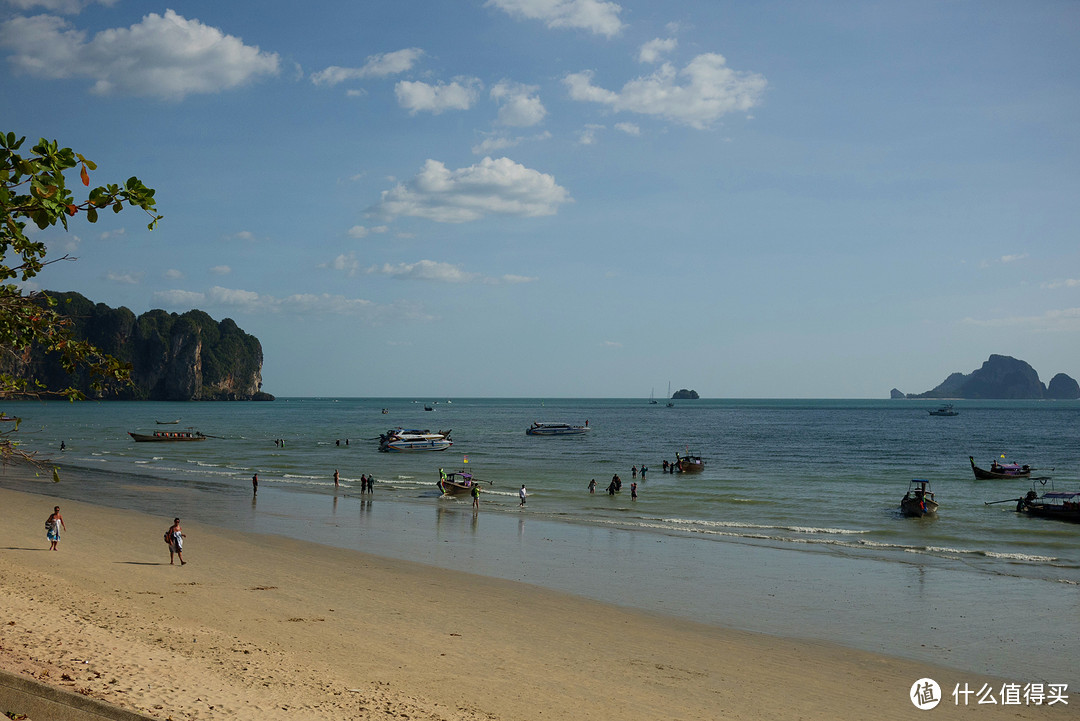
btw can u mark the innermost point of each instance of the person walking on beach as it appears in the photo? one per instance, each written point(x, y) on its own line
point(363, 483)
point(523, 494)
point(592, 486)
point(52, 528)
point(476, 496)
point(336, 478)
point(175, 538)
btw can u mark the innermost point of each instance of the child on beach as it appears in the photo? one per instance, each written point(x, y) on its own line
point(52, 528)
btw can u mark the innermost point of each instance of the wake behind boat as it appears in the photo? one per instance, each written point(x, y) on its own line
point(165, 436)
point(402, 439)
point(1000, 471)
point(556, 429)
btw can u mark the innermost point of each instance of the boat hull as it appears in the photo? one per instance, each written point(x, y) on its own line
point(691, 465)
point(420, 445)
point(167, 437)
point(556, 430)
point(915, 508)
point(982, 474)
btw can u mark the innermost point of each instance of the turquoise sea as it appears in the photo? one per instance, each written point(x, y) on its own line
point(792, 529)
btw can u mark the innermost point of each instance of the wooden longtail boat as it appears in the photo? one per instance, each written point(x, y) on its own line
point(919, 500)
point(999, 471)
point(165, 436)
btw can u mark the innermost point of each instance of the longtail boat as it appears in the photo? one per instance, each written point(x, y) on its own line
point(1000, 471)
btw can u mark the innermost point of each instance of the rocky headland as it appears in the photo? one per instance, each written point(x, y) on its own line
point(173, 357)
point(1000, 378)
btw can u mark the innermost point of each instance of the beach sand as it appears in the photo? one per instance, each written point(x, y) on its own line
point(263, 627)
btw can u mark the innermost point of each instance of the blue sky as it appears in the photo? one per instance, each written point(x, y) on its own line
point(547, 198)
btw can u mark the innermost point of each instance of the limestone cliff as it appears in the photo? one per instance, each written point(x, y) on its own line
point(1005, 378)
point(174, 357)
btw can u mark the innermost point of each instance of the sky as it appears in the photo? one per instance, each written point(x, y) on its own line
point(576, 198)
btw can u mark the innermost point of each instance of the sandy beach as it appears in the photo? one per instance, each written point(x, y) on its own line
point(264, 627)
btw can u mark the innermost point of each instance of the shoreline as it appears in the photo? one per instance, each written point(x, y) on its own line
point(258, 626)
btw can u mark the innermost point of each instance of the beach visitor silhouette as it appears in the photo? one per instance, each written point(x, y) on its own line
point(336, 477)
point(476, 496)
point(53, 524)
point(255, 484)
point(175, 538)
point(592, 486)
point(523, 494)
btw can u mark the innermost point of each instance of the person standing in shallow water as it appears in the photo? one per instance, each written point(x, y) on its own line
point(336, 478)
point(476, 496)
point(255, 485)
point(523, 494)
point(52, 528)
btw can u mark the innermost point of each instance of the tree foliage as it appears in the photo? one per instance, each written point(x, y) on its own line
point(34, 189)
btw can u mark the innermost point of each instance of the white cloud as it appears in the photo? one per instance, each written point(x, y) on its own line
point(417, 96)
point(221, 270)
point(628, 128)
point(1067, 283)
point(302, 304)
point(518, 104)
point(112, 234)
point(1013, 258)
point(587, 135)
point(612, 344)
point(601, 18)
point(491, 187)
point(711, 90)
point(123, 278)
point(165, 56)
point(495, 143)
point(66, 7)
point(173, 274)
point(241, 235)
point(1052, 321)
point(651, 51)
point(377, 66)
point(443, 273)
point(344, 262)
point(359, 231)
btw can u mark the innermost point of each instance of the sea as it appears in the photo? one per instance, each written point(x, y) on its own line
point(793, 529)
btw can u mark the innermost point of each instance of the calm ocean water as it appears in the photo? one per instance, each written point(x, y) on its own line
point(788, 484)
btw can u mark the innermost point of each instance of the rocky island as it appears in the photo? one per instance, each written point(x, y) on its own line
point(173, 357)
point(1000, 378)
point(684, 395)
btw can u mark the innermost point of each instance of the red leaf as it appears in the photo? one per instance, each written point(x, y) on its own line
point(72, 209)
point(85, 176)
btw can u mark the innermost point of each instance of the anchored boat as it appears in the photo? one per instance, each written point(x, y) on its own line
point(919, 499)
point(165, 436)
point(556, 429)
point(1000, 471)
point(402, 439)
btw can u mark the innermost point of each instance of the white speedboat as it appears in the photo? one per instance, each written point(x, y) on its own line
point(556, 429)
point(402, 439)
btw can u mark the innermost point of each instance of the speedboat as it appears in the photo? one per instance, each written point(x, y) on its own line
point(402, 439)
point(919, 500)
point(945, 409)
point(556, 429)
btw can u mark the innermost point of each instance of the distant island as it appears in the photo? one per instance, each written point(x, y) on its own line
point(684, 395)
point(1001, 378)
point(174, 357)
